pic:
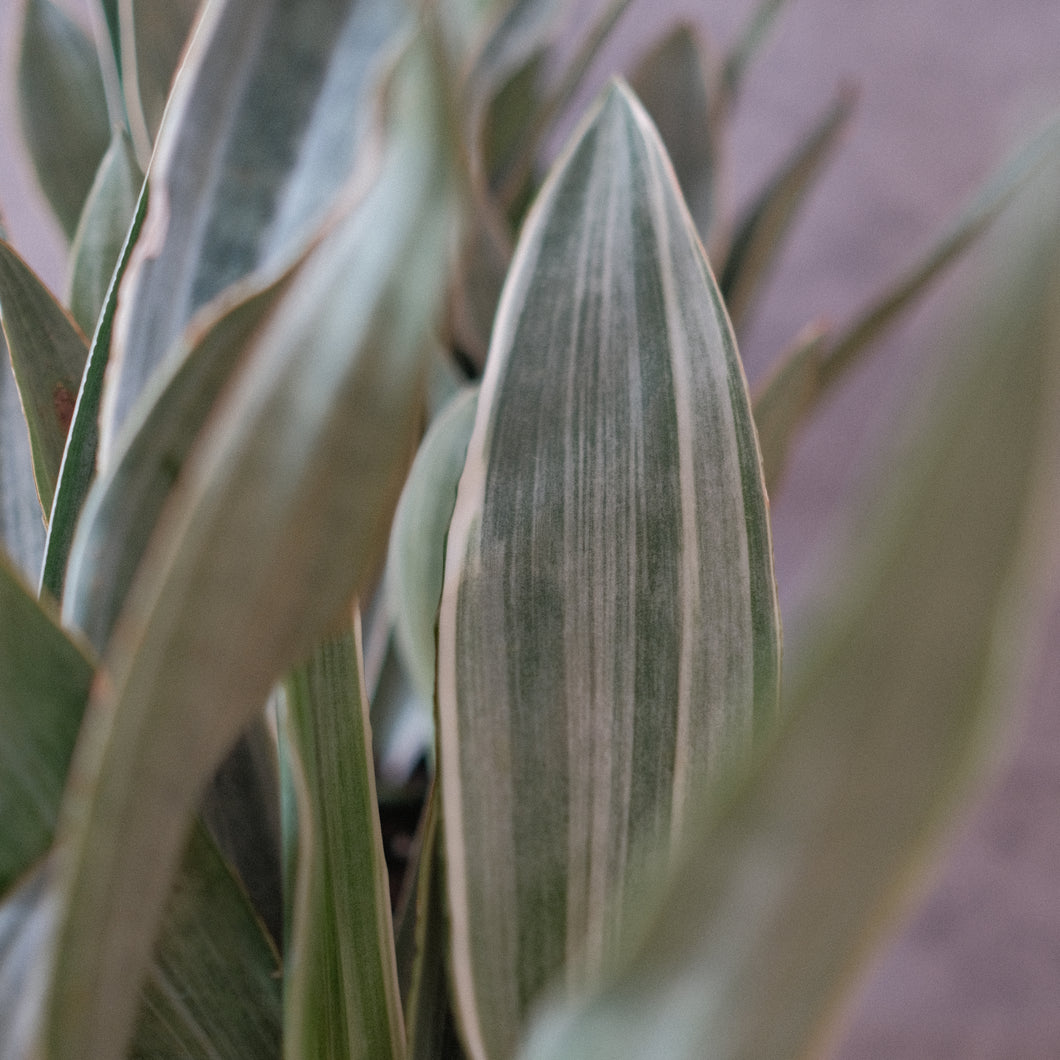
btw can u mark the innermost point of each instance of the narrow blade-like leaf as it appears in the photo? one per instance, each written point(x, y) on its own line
point(261, 133)
point(102, 230)
point(62, 107)
point(760, 235)
point(673, 83)
point(608, 635)
point(340, 978)
point(895, 705)
point(78, 467)
point(749, 43)
point(48, 353)
point(282, 516)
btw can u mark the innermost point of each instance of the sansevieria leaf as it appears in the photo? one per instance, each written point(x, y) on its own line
point(903, 686)
point(608, 634)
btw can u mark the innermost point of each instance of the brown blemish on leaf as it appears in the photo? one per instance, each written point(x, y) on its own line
point(63, 402)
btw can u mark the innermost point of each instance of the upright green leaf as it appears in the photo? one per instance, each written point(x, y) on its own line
point(78, 467)
point(101, 232)
point(893, 709)
point(760, 235)
point(44, 683)
point(262, 131)
point(282, 515)
point(153, 34)
point(48, 353)
point(62, 107)
point(21, 526)
point(340, 977)
point(608, 636)
point(749, 42)
point(673, 83)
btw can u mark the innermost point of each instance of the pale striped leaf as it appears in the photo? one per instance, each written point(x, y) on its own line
point(760, 236)
point(906, 685)
point(101, 232)
point(340, 979)
point(62, 107)
point(48, 353)
point(78, 467)
point(678, 89)
point(282, 515)
point(608, 635)
point(262, 131)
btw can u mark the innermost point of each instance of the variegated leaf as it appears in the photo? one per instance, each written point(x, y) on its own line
point(261, 132)
point(281, 516)
point(906, 684)
point(608, 635)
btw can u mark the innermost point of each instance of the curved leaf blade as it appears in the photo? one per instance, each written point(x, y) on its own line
point(282, 516)
point(48, 354)
point(263, 129)
point(62, 107)
point(895, 707)
point(78, 467)
point(608, 636)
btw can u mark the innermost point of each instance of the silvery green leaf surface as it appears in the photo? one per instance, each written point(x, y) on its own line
point(263, 129)
point(101, 232)
point(608, 634)
point(62, 108)
point(903, 689)
point(402, 725)
point(340, 979)
point(123, 507)
point(21, 526)
point(153, 34)
point(760, 235)
point(44, 683)
point(48, 353)
point(78, 467)
point(678, 91)
point(281, 517)
point(416, 559)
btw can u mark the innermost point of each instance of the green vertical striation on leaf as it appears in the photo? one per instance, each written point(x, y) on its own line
point(608, 628)
point(918, 654)
point(340, 978)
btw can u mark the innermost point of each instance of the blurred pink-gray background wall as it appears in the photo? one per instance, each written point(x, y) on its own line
point(947, 87)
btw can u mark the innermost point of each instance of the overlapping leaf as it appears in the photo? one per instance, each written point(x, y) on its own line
point(340, 981)
point(897, 698)
point(608, 636)
point(282, 514)
point(48, 353)
point(262, 131)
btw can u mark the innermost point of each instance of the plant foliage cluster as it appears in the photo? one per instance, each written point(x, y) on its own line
point(389, 646)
